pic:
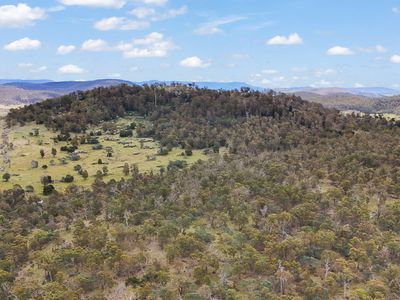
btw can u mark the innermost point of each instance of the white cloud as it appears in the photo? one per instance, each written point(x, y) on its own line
point(115, 75)
point(380, 49)
point(292, 39)
point(143, 12)
point(23, 44)
point(377, 48)
point(95, 45)
point(240, 56)
point(31, 68)
point(20, 15)
point(120, 24)
point(339, 51)
point(269, 72)
point(170, 14)
point(155, 2)
point(325, 72)
point(25, 65)
point(65, 49)
point(152, 45)
point(215, 26)
point(358, 85)
point(298, 69)
point(395, 59)
point(193, 62)
point(38, 69)
point(265, 81)
point(396, 10)
point(96, 3)
point(71, 69)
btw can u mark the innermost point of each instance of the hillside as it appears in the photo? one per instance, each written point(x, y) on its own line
point(366, 100)
point(293, 201)
point(19, 92)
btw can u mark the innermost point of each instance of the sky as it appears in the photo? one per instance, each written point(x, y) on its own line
point(285, 43)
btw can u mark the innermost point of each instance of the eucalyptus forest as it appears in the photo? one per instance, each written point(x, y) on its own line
point(290, 200)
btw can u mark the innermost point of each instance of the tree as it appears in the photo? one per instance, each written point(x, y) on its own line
point(41, 153)
point(85, 174)
point(126, 169)
point(105, 170)
point(48, 189)
point(54, 152)
point(6, 177)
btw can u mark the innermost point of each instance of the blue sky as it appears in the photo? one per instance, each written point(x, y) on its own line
point(282, 43)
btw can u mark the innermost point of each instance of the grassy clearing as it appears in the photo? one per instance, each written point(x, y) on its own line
point(27, 148)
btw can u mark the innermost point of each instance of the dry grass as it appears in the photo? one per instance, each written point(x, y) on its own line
point(27, 148)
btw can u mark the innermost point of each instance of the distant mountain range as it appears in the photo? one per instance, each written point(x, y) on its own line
point(15, 92)
point(364, 91)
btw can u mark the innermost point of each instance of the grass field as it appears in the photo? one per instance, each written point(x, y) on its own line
point(26, 148)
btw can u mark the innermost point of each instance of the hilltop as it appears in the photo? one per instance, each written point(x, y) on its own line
point(367, 100)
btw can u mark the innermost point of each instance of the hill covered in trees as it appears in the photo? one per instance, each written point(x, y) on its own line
point(303, 204)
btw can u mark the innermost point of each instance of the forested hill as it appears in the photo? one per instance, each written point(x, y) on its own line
point(301, 203)
point(180, 115)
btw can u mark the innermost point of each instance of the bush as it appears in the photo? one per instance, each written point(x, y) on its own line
point(163, 151)
point(68, 149)
point(29, 189)
point(6, 177)
point(188, 152)
point(48, 189)
point(126, 133)
point(177, 164)
point(67, 179)
point(97, 147)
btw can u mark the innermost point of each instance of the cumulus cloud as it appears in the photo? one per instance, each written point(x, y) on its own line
point(144, 16)
point(65, 49)
point(170, 14)
point(214, 27)
point(292, 39)
point(71, 69)
point(95, 45)
point(377, 48)
point(96, 3)
point(20, 15)
point(194, 62)
point(152, 15)
point(395, 59)
point(339, 51)
point(120, 24)
point(23, 44)
point(143, 12)
point(31, 68)
point(152, 45)
point(156, 2)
